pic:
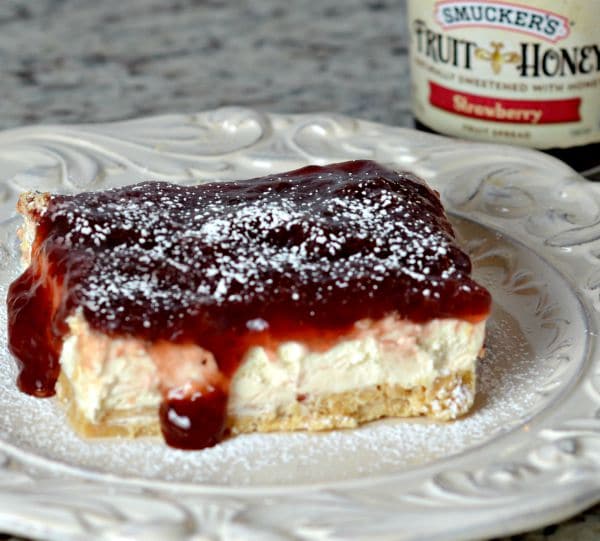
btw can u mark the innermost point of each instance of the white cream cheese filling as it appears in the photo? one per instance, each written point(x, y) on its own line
point(110, 375)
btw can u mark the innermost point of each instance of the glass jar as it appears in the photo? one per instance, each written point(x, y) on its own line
point(524, 73)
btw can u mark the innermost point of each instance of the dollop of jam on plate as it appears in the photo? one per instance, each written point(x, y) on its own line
point(300, 255)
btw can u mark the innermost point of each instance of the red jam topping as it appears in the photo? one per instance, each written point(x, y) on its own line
point(295, 256)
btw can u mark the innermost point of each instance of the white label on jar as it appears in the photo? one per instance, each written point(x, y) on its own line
point(525, 74)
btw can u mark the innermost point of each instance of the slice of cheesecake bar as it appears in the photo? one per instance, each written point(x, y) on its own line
point(314, 299)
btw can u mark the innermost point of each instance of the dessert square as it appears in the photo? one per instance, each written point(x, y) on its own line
point(314, 299)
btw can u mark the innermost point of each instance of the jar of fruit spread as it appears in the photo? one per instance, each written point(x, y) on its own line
point(522, 72)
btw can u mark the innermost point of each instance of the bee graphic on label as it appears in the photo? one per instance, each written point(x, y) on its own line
point(496, 58)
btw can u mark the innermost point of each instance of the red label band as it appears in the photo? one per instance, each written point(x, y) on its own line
point(503, 110)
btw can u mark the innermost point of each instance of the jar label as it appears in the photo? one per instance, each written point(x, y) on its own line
point(525, 74)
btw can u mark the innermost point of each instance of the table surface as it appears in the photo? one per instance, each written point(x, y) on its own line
point(74, 61)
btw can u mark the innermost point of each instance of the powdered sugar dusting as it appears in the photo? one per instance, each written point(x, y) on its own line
point(313, 239)
point(453, 402)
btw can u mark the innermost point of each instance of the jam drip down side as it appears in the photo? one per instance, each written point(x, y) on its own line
point(226, 266)
point(34, 341)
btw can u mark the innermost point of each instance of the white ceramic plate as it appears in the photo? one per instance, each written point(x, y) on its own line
point(529, 454)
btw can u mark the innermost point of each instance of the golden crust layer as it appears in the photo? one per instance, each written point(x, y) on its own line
point(31, 205)
point(447, 398)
